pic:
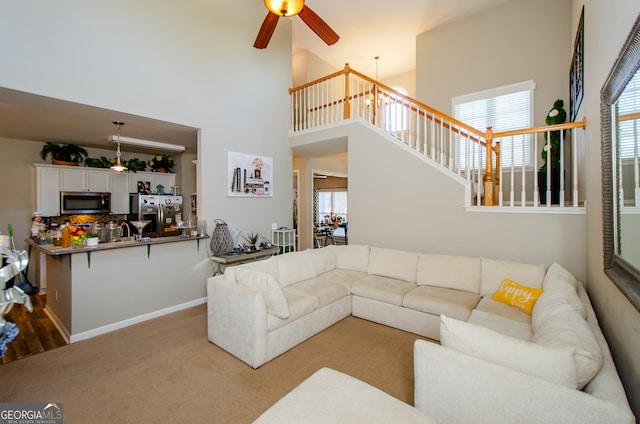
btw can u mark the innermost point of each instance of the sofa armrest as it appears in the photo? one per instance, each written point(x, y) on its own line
point(457, 388)
point(237, 320)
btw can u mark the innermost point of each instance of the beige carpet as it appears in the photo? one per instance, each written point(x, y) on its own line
point(166, 371)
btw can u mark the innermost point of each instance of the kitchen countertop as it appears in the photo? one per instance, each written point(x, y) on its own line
point(52, 250)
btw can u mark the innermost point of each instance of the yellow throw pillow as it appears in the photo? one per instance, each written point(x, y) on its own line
point(516, 295)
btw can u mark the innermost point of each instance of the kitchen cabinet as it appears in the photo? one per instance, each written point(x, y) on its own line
point(47, 190)
point(154, 178)
point(97, 180)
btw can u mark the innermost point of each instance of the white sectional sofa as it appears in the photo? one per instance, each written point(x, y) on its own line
point(260, 310)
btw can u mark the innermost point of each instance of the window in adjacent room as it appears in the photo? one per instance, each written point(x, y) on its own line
point(504, 108)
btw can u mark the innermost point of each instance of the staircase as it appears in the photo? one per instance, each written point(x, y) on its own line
point(441, 140)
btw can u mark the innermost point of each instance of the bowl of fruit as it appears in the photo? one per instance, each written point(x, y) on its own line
point(78, 236)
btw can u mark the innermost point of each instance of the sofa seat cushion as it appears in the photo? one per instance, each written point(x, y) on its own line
point(344, 277)
point(299, 306)
point(500, 324)
point(487, 304)
point(450, 271)
point(438, 301)
point(322, 291)
point(383, 289)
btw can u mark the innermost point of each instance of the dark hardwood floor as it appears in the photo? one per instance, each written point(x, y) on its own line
point(37, 332)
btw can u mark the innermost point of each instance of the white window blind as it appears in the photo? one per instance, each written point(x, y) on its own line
point(503, 108)
point(629, 131)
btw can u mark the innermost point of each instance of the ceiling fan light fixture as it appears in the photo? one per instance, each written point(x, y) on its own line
point(284, 7)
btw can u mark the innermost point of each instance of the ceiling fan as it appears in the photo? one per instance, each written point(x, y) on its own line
point(279, 8)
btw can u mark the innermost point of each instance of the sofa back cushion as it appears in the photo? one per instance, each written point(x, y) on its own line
point(393, 264)
point(353, 257)
point(324, 259)
point(296, 266)
point(450, 272)
point(495, 271)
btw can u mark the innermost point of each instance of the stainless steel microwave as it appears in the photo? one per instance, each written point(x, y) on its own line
point(84, 202)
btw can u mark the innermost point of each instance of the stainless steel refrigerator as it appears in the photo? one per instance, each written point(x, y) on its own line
point(160, 209)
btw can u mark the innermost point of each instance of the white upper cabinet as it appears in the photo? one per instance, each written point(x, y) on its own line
point(48, 190)
point(79, 179)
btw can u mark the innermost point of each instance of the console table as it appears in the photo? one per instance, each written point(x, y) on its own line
point(237, 258)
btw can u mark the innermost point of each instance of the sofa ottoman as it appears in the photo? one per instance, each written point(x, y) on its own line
point(329, 396)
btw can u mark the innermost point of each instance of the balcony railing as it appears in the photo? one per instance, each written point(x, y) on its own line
point(471, 153)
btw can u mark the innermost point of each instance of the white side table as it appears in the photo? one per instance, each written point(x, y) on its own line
point(285, 239)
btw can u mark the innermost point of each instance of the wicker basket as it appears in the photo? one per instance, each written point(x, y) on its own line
point(221, 242)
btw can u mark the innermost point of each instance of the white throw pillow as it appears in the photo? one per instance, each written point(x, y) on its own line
point(295, 267)
point(271, 292)
point(557, 274)
point(495, 271)
point(450, 272)
point(353, 257)
point(559, 293)
point(325, 259)
point(551, 364)
point(393, 264)
point(268, 266)
point(564, 328)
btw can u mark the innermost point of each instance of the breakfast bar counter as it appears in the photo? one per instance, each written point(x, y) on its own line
point(94, 290)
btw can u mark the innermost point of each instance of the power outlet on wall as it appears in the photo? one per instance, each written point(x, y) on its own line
point(274, 225)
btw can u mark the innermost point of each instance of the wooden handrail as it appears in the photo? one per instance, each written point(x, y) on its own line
point(347, 70)
point(629, 117)
point(557, 127)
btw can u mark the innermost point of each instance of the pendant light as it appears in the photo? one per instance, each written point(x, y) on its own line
point(118, 167)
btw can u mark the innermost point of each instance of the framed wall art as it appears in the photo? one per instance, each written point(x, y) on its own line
point(576, 74)
point(249, 175)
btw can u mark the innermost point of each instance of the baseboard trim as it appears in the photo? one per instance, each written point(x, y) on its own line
point(135, 320)
point(61, 328)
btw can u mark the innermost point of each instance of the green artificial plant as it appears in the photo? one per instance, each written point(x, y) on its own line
point(557, 115)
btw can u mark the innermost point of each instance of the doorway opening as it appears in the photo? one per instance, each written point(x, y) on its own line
point(330, 209)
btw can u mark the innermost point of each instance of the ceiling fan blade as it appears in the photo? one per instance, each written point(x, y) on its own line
point(266, 31)
point(317, 25)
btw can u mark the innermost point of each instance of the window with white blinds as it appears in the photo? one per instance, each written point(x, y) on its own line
point(503, 108)
point(629, 130)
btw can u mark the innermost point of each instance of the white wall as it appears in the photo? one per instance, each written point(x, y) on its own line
point(178, 62)
point(517, 41)
point(606, 25)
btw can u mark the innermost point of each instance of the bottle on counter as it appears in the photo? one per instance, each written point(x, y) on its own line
point(57, 235)
point(66, 237)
